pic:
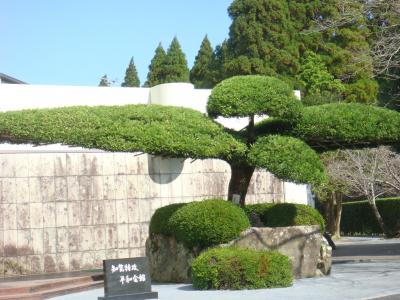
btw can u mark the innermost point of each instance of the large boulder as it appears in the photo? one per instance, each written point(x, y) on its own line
point(325, 258)
point(170, 260)
point(302, 244)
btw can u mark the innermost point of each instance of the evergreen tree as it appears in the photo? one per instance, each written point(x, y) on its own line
point(131, 76)
point(104, 81)
point(315, 78)
point(268, 37)
point(262, 39)
point(156, 74)
point(176, 68)
point(201, 74)
point(344, 48)
point(221, 57)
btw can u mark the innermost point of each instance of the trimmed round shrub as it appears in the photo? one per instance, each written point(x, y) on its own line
point(289, 214)
point(242, 96)
point(207, 223)
point(255, 211)
point(288, 158)
point(238, 268)
point(159, 223)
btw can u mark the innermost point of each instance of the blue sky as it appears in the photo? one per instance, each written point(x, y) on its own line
point(75, 42)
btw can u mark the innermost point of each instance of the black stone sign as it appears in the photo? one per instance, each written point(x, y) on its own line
point(127, 278)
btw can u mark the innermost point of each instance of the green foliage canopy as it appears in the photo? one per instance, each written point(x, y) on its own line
point(339, 125)
point(276, 144)
point(243, 96)
point(287, 158)
point(348, 125)
point(153, 129)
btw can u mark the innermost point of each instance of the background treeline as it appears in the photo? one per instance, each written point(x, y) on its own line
point(329, 49)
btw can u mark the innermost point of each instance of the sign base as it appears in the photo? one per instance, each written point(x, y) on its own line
point(142, 296)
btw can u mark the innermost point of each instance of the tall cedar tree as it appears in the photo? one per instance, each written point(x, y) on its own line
point(221, 56)
point(176, 67)
point(201, 74)
point(262, 39)
point(269, 37)
point(104, 81)
point(344, 49)
point(131, 76)
point(156, 73)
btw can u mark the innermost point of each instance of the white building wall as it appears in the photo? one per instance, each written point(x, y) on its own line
point(24, 96)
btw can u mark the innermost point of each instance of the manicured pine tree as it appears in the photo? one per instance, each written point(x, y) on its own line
point(131, 76)
point(201, 74)
point(104, 81)
point(156, 74)
point(176, 68)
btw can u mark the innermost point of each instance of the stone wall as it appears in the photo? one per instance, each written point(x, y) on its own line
point(66, 211)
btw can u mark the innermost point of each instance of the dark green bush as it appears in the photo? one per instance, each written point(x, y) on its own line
point(358, 218)
point(258, 209)
point(287, 214)
point(208, 222)
point(159, 223)
point(237, 268)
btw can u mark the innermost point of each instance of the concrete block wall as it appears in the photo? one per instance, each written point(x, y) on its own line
point(67, 211)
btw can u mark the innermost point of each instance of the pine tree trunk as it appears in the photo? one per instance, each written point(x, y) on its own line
point(378, 217)
point(240, 180)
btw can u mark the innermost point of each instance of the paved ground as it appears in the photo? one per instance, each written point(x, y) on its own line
point(348, 281)
point(362, 249)
point(365, 268)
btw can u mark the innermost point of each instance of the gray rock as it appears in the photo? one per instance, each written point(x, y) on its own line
point(325, 259)
point(310, 254)
point(301, 244)
point(169, 260)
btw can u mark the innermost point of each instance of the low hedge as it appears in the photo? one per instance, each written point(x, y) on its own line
point(286, 214)
point(200, 224)
point(238, 268)
point(358, 218)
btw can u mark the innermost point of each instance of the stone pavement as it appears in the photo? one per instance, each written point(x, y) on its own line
point(364, 249)
point(364, 268)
